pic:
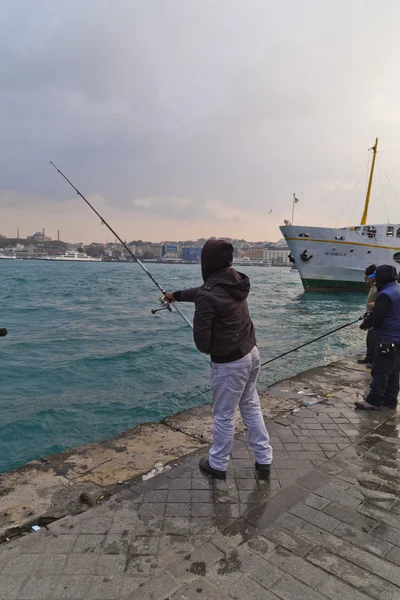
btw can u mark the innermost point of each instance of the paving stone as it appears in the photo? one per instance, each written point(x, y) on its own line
point(81, 564)
point(378, 514)
point(22, 565)
point(177, 509)
point(145, 545)
point(199, 590)
point(62, 544)
point(96, 525)
point(350, 517)
point(360, 578)
point(316, 501)
point(50, 564)
point(314, 516)
point(363, 540)
point(130, 585)
point(156, 509)
point(105, 587)
point(394, 555)
point(255, 567)
point(140, 566)
point(289, 589)
point(109, 564)
point(196, 563)
point(203, 510)
point(288, 540)
point(10, 586)
point(159, 588)
point(335, 589)
point(37, 587)
point(235, 584)
point(115, 543)
point(175, 496)
point(72, 587)
point(156, 496)
point(336, 494)
point(376, 565)
point(290, 522)
point(176, 525)
point(181, 483)
point(326, 540)
point(297, 567)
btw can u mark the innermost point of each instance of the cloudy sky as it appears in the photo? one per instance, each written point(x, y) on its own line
point(191, 118)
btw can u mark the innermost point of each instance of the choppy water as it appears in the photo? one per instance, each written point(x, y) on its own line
point(85, 359)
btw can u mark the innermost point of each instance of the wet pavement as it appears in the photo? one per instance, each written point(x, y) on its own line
point(327, 524)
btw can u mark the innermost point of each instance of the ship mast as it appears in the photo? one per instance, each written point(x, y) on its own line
point(371, 175)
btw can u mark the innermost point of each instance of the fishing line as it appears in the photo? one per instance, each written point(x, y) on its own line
point(165, 305)
point(267, 362)
point(311, 341)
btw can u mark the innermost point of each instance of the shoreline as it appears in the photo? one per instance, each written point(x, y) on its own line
point(71, 482)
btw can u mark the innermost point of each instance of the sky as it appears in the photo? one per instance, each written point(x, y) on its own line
point(182, 119)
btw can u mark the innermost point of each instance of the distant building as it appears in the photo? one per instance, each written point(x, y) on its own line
point(170, 251)
point(39, 236)
point(252, 252)
point(277, 255)
point(191, 254)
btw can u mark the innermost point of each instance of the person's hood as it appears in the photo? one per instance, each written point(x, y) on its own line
point(215, 256)
point(236, 284)
point(385, 274)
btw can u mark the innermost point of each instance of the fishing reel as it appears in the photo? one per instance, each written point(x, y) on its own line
point(164, 306)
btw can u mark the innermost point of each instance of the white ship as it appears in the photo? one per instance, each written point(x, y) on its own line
point(331, 259)
point(75, 256)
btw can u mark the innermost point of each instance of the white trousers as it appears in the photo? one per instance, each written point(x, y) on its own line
point(234, 386)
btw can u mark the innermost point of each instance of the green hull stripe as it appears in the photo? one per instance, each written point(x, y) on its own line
point(326, 285)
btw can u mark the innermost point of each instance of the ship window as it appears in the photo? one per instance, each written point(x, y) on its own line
point(369, 252)
point(333, 249)
point(339, 237)
point(352, 250)
point(398, 232)
point(396, 257)
point(357, 228)
point(366, 228)
point(304, 235)
point(390, 231)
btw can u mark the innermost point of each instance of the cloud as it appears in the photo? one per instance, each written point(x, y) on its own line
point(173, 104)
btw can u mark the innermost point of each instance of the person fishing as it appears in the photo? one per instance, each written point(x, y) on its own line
point(223, 329)
point(385, 319)
point(369, 277)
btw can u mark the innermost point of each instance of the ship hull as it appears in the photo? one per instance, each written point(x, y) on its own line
point(334, 260)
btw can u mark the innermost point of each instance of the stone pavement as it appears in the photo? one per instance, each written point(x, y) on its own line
point(326, 526)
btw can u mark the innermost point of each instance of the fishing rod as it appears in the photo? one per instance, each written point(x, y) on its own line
point(164, 304)
point(311, 341)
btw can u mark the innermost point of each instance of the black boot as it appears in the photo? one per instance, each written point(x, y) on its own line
point(207, 468)
point(263, 471)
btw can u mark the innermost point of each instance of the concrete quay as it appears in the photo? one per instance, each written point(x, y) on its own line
point(326, 526)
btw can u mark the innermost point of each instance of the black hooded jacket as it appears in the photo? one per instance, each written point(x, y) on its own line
point(222, 325)
point(384, 274)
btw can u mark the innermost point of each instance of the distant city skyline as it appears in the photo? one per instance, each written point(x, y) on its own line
point(201, 118)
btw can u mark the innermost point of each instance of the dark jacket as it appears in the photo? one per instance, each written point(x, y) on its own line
point(222, 325)
point(385, 315)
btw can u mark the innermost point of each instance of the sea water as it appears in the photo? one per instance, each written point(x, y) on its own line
point(85, 359)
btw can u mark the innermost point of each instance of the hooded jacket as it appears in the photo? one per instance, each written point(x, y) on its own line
point(222, 325)
point(385, 315)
